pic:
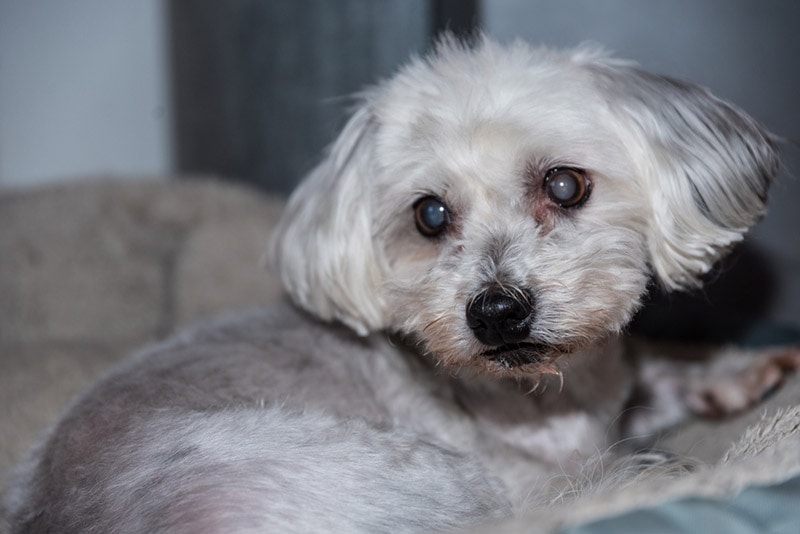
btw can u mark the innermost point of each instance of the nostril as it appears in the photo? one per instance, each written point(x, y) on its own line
point(498, 317)
point(475, 322)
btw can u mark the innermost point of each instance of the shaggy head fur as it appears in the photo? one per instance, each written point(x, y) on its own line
point(504, 206)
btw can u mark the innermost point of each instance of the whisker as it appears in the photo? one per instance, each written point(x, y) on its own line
point(434, 323)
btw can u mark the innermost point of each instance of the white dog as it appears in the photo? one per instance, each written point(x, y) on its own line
point(482, 231)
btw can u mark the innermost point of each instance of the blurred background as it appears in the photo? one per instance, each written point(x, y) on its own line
point(252, 91)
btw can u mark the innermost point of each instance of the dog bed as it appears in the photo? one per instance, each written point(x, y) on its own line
point(93, 268)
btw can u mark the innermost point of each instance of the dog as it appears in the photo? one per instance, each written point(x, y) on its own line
point(461, 268)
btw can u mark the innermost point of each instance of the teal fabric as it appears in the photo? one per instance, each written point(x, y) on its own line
point(771, 509)
point(771, 335)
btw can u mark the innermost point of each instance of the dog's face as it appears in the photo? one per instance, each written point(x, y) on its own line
point(513, 226)
point(506, 206)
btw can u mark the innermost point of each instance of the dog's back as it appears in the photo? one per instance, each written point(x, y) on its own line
point(222, 430)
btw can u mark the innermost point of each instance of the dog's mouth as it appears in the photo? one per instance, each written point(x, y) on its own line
point(515, 355)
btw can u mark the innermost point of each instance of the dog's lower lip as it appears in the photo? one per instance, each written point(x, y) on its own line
point(513, 347)
point(516, 354)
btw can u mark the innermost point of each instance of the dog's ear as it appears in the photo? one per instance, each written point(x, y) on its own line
point(322, 247)
point(705, 168)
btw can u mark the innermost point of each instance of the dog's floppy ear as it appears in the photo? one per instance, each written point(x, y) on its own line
point(705, 167)
point(322, 247)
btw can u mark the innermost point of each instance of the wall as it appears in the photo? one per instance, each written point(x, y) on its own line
point(83, 90)
point(261, 88)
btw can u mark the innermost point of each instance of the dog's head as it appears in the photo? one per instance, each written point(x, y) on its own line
point(505, 205)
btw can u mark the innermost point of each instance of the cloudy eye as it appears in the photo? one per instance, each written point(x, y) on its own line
point(567, 187)
point(431, 216)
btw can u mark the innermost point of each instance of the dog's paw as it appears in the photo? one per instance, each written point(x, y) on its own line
point(726, 395)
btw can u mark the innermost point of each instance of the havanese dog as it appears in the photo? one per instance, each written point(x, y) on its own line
point(460, 266)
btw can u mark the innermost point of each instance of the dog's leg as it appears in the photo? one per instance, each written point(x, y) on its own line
point(728, 394)
point(675, 382)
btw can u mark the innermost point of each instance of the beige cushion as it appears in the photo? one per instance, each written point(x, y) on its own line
point(93, 268)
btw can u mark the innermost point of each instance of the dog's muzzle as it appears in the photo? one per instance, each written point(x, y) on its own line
point(501, 316)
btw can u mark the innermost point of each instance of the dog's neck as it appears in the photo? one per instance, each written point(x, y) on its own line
point(595, 381)
point(504, 420)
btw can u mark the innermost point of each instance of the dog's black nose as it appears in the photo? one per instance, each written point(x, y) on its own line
point(499, 317)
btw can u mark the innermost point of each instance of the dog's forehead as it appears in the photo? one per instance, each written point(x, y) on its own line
point(466, 87)
point(497, 152)
point(506, 117)
point(472, 146)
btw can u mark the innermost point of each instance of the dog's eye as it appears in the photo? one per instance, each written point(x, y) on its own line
point(431, 216)
point(567, 187)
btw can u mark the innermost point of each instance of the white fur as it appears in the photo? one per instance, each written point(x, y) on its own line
point(679, 176)
point(276, 421)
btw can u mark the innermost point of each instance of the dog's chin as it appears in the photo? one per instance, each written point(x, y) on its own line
point(526, 359)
